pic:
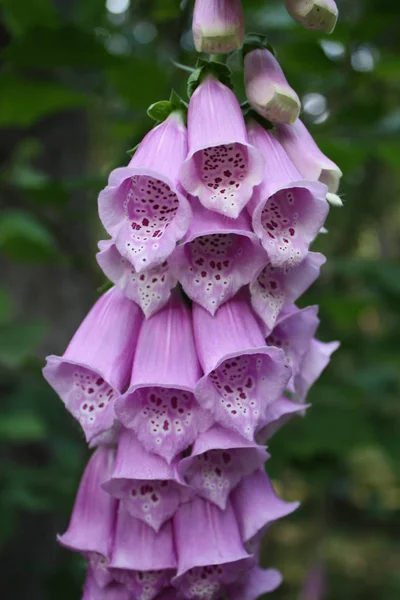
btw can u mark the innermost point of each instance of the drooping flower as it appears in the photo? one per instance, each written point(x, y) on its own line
point(287, 211)
point(221, 168)
point(92, 522)
point(217, 257)
point(278, 414)
point(315, 361)
point(218, 26)
point(142, 207)
point(160, 405)
point(257, 505)
point(150, 289)
point(148, 486)
point(314, 14)
point(95, 367)
point(254, 584)
point(306, 156)
point(275, 289)
point(142, 560)
point(111, 591)
point(293, 333)
point(242, 375)
point(209, 548)
point(220, 458)
point(267, 89)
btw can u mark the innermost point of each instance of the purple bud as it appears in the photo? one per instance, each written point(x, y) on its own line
point(218, 26)
point(148, 486)
point(307, 157)
point(210, 550)
point(242, 375)
point(287, 211)
point(217, 257)
point(160, 405)
point(95, 367)
point(149, 289)
point(220, 458)
point(320, 15)
point(142, 207)
point(254, 584)
point(222, 168)
point(267, 89)
point(275, 289)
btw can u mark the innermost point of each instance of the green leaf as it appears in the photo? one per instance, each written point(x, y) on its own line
point(25, 238)
point(159, 111)
point(25, 101)
point(205, 68)
point(256, 41)
point(18, 341)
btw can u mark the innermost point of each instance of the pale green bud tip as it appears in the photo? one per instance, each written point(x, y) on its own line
point(320, 15)
point(334, 199)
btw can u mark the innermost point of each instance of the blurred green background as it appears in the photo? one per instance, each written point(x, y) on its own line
point(76, 77)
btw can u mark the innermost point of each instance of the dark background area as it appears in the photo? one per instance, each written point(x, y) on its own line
point(76, 78)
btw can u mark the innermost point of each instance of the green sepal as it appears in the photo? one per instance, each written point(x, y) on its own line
point(104, 287)
point(256, 41)
point(132, 151)
point(159, 111)
point(205, 68)
point(251, 115)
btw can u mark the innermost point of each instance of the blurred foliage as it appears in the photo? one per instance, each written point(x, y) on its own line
point(76, 81)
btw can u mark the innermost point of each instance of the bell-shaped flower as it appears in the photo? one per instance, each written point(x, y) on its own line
point(275, 289)
point(293, 333)
point(278, 414)
point(149, 487)
point(142, 560)
point(315, 361)
point(257, 505)
point(95, 367)
point(160, 405)
point(308, 159)
point(267, 89)
point(210, 551)
point(142, 207)
point(220, 458)
point(150, 289)
point(111, 591)
point(242, 375)
point(320, 15)
point(218, 26)
point(254, 584)
point(91, 526)
point(217, 257)
point(222, 168)
point(287, 211)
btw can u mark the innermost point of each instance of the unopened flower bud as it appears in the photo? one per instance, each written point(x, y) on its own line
point(218, 26)
point(314, 14)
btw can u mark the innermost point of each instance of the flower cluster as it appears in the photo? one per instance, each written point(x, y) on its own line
point(183, 370)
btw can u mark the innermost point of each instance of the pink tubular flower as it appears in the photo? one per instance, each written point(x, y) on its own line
point(149, 289)
point(278, 414)
point(293, 333)
point(306, 156)
point(257, 505)
point(92, 521)
point(220, 458)
point(210, 551)
point(222, 168)
point(142, 560)
point(218, 26)
point(287, 211)
point(242, 375)
point(95, 367)
point(254, 584)
point(142, 207)
point(314, 14)
point(148, 486)
point(267, 89)
point(275, 289)
point(160, 405)
point(111, 591)
point(315, 361)
point(217, 257)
